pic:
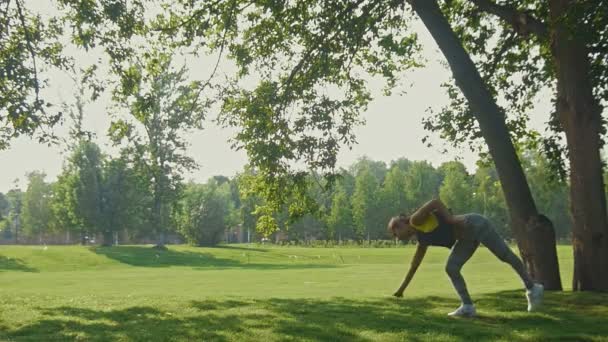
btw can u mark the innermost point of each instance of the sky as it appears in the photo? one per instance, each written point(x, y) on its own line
point(393, 126)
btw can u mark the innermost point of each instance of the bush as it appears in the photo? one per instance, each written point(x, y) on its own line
point(204, 213)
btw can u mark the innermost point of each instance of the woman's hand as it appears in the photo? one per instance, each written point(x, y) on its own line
point(418, 256)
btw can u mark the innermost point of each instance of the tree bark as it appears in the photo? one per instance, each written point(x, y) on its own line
point(579, 113)
point(534, 233)
point(16, 222)
point(157, 214)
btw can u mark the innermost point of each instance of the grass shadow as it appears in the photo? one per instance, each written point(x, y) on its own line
point(566, 317)
point(141, 256)
point(132, 324)
point(13, 264)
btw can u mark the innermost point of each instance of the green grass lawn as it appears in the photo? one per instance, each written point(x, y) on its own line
point(136, 293)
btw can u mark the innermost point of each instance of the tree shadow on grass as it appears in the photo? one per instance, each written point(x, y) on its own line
point(131, 324)
point(566, 317)
point(13, 264)
point(141, 256)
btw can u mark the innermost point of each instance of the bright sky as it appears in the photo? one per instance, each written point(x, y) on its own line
point(393, 128)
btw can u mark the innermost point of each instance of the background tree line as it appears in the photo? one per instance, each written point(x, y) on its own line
point(112, 199)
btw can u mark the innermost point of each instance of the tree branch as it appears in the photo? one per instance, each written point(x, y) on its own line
point(219, 57)
point(522, 22)
point(194, 16)
point(7, 18)
point(30, 48)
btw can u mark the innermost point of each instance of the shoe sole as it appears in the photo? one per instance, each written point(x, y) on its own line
point(464, 316)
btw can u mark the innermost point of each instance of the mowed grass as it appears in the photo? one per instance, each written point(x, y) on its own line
point(136, 293)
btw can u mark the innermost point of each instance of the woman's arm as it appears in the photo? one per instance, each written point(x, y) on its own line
point(434, 205)
point(418, 256)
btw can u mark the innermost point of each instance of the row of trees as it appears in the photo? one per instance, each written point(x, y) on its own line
point(96, 195)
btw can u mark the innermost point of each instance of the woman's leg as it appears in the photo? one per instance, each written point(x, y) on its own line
point(461, 253)
point(496, 244)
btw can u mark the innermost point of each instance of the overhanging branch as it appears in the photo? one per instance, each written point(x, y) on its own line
point(30, 48)
point(523, 23)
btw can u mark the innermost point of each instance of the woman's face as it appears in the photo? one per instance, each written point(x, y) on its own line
point(402, 231)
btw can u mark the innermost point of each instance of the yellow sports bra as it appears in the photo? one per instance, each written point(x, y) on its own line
point(428, 225)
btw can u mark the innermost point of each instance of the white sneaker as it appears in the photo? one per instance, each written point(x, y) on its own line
point(535, 297)
point(465, 310)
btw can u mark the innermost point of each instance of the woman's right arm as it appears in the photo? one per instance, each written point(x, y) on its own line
point(418, 256)
point(434, 205)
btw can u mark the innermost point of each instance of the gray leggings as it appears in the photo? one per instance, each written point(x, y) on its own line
point(477, 229)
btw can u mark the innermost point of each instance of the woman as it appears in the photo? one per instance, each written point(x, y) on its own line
point(434, 225)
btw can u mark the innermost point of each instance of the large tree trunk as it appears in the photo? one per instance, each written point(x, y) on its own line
point(156, 217)
point(534, 233)
point(579, 114)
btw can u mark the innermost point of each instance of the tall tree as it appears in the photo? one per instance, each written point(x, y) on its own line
point(558, 42)
point(86, 165)
point(340, 222)
point(5, 226)
point(4, 206)
point(422, 182)
point(63, 204)
point(377, 168)
point(76, 202)
point(535, 234)
point(162, 107)
point(394, 193)
point(365, 205)
point(15, 199)
point(248, 204)
point(580, 115)
point(36, 212)
point(456, 186)
point(126, 200)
